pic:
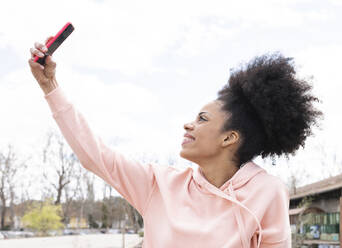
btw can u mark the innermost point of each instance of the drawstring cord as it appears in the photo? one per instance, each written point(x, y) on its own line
point(239, 218)
point(231, 196)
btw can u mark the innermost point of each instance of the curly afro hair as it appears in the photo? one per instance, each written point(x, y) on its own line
point(270, 108)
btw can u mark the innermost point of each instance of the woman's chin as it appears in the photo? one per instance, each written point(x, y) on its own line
point(184, 154)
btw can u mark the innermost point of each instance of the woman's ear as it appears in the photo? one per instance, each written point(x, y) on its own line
point(230, 138)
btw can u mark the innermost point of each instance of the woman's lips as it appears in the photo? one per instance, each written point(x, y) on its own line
point(187, 140)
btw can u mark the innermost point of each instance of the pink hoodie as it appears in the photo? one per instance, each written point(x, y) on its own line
point(180, 207)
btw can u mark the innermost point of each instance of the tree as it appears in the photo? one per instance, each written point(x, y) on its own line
point(61, 160)
point(92, 222)
point(305, 203)
point(75, 192)
point(104, 209)
point(10, 167)
point(134, 217)
point(44, 217)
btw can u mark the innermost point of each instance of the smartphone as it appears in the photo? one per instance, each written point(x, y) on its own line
point(55, 42)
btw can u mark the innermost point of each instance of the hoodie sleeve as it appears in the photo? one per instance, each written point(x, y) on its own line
point(134, 181)
point(276, 230)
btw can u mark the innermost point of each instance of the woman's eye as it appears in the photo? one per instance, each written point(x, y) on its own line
point(201, 118)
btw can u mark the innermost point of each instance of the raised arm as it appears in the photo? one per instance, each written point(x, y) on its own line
point(134, 181)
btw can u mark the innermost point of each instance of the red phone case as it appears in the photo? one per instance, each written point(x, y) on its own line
point(55, 42)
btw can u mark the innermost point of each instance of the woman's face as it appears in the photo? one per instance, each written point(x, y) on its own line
point(207, 136)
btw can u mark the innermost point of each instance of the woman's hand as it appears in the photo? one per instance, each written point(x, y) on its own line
point(45, 75)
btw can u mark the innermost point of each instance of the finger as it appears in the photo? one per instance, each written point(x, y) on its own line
point(48, 39)
point(35, 65)
point(40, 47)
point(35, 52)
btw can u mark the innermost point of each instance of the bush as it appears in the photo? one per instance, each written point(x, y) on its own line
point(44, 218)
point(92, 222)
point(6, 228)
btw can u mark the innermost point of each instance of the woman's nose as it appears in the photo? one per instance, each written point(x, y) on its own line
point(188, 126)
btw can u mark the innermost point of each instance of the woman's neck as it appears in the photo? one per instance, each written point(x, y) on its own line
point(218, 172)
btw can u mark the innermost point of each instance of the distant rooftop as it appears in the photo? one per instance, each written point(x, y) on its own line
point(322, 186)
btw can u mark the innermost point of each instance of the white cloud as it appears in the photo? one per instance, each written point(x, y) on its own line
point(128, 35)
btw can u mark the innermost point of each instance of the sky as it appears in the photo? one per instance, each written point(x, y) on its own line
point(139, 70)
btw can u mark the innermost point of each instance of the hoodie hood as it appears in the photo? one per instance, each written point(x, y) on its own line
point(227, 191)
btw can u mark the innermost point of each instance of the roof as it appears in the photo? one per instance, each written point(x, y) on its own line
point(325, 185)
point(296, 211)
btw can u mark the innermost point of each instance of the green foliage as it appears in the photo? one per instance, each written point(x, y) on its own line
point(306, 202)
point(44, 217)
point(141, 233)
point(6, 228)
point(297, 238)
point(104, 216)
point(92, 222)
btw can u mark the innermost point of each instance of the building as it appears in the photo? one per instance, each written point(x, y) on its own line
point(319, 224)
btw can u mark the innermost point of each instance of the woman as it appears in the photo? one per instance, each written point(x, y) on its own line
point(228, 201)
